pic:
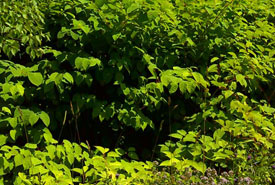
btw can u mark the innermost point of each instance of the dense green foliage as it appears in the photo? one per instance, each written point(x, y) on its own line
point(187, 83)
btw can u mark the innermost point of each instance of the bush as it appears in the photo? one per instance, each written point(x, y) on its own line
point(186, 83)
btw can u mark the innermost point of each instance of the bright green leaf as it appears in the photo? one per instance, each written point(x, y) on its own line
point(6, 109)
point(3, 139)
point(35, 78)
point(45, 118)
point(33, 118)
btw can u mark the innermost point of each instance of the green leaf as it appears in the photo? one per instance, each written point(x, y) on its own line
point(176, 135)
point(74, 35)
point(35, 161)
point(214, 59)
point(13, 134)
point(152, 14)
point(133, 155)
point(6, 109)
point(33, 118)
point(241, 79)
point(182, 87)
point(171, 162)
point(20, 89)
point(213, 68)
point(190, 42)
point(77, 149)
point(173, 87)
point(134, 6)
point(131, 149)
point(85, 29)
point(45, 118)
point(218, 134)
point(31, 145)
point(3, 139)
point(35, 78)
point(101, 149)
point(248, 44)
point(94, 61)
point(113, 154)
point(190, 137)
point(232, 54)
point(79, 24)
point(51, 151)
point(23, 177)
point(13, 122)
point(70, 157)
point(200, 166)
point(68, 77)
point(78, 63)
point(116, 36)
point(165, 163)
point(181, 132)
point(78, 170)
point(18, 160)
point(199, 79)
point(85, 63)
point(99, 3)
point(49, 138)
point(190, 87)
point(227, 93)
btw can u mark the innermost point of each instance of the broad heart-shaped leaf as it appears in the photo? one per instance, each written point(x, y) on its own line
point(45, 118)
point(25, 115)
point(13, 134)
point(33, 118)
point(3, 140)
point(18, 160)
point(12, 122)
point(78, 63)
point(35, 78)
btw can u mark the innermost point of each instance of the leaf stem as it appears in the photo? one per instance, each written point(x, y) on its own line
point(64, 120)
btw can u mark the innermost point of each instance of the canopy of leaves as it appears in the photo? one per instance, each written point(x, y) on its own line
point(189, 83)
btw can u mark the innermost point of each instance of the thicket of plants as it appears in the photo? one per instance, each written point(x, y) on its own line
point(137, 92)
